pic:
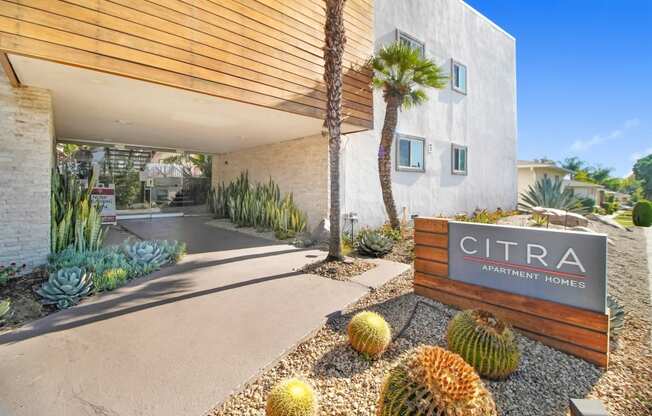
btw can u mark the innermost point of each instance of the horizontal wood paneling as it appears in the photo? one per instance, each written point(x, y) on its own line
point(576, 331)
point(263, 52)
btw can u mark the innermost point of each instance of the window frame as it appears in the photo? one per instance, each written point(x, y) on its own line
point(412, 39)
point(466, 77)
point(454, 171)
point(397, 144)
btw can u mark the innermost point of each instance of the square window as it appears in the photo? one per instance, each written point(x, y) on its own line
point(410, 153)
point(411, 42)
point(458, 77)
point(459, 162)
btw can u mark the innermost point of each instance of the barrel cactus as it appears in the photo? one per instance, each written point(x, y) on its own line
point(434, 382)
point(5, 308)
point(374, 244)
point(151, 254)
point(291, 397)
point(369, 333)
point(485, 342)
point(66, 287)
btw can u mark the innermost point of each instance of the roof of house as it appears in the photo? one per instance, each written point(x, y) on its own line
point(539, 164)
point(581, 184)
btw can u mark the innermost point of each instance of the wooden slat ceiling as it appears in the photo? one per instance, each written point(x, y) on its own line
point(263, 52)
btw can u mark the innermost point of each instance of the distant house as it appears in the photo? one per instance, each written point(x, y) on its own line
point(532, 171)
point(587, 190)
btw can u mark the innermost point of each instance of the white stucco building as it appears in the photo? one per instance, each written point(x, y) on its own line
point(473, 122)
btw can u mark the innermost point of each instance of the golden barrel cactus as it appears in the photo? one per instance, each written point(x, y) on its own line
point(369, 333)
point(485, 342)
point(291, 397)
point(434, 382)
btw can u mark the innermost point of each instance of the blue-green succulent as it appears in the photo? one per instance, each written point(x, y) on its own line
point(66, 287)
point(149, 254)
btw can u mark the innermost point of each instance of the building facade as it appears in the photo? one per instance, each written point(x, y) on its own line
point(243, 81)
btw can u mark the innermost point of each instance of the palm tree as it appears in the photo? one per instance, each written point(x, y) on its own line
point(334, 41)
point(403, 75)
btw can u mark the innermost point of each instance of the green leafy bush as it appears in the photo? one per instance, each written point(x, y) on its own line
point(548, 194)
point(484, 216)
point(11, 271)
point(369, 333)
point(66, 287)
point(257, 205)
point(75, 220)
point(484, 342)
point(642, 213)
point(431, 381)
point(292, 397)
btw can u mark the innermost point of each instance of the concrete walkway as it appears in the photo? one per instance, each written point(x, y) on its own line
point(178, 342)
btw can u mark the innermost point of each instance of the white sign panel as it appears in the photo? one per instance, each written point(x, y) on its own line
point(105, 197)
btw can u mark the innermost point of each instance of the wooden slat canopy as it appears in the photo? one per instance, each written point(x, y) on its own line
point(262, 52)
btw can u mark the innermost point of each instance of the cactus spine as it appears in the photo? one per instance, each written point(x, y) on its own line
point(485, 342)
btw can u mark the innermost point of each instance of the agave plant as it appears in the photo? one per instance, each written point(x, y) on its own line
point(149, 254)
point(66, 287)
point(548, 194)
point(374, 243)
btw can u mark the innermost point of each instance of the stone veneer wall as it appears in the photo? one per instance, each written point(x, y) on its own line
point(26, 159)
point(299, 166)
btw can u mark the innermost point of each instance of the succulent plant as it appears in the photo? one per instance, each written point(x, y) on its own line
point(110, 279)
point(374, 244)
point(616, 316)
point(66, 287)
point(485, 342)
point(150, 254)
point(369, 333)
point(5, 308)
point(175, 249)
point(431, 381)
point(291, 397)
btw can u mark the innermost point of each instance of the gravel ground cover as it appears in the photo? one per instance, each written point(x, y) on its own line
point(25, 303)
point(339, 270)
point(348, 384)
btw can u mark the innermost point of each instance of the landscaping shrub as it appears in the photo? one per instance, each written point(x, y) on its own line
point(484, 342)
point(548, 194)
point(110, 279)
point(433, 381)
point(373, 243)
point(616, 316)
point(66, 287)
point(75, 220)
point(588, 203)
point(642, 213)
point(484, 216)
point(8, 272)
point(292, 397)
point(369, 333)
point(257, 205)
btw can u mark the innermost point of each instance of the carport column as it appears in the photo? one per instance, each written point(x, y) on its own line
point(26, 160)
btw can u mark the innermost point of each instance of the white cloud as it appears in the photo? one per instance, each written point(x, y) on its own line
point(586, 144)
point(637, 155)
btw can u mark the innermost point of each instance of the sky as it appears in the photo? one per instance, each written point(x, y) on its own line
point(584, 77)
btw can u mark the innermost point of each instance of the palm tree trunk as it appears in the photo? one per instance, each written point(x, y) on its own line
point(333, 50)
point(385, 158)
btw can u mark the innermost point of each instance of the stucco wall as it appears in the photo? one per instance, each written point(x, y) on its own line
point(484, 119)
point(299, 166)
point(26, 157)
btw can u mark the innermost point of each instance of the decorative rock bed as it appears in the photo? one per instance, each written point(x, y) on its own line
point(349, 384)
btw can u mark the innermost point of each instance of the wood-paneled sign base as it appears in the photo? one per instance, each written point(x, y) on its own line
point(579, 332)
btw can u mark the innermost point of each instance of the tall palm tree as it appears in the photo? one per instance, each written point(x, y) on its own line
point(403, 75)
point(334, 42)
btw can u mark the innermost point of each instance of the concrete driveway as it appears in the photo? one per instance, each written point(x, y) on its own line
point(179, 341)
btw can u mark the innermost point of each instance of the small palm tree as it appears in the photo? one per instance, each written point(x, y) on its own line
point(403, 75)
point(334, 41)
point(548, 194)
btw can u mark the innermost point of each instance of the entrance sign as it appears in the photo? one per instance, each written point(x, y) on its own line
point(559, 266)
point(105, 197)
point(549, 284)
